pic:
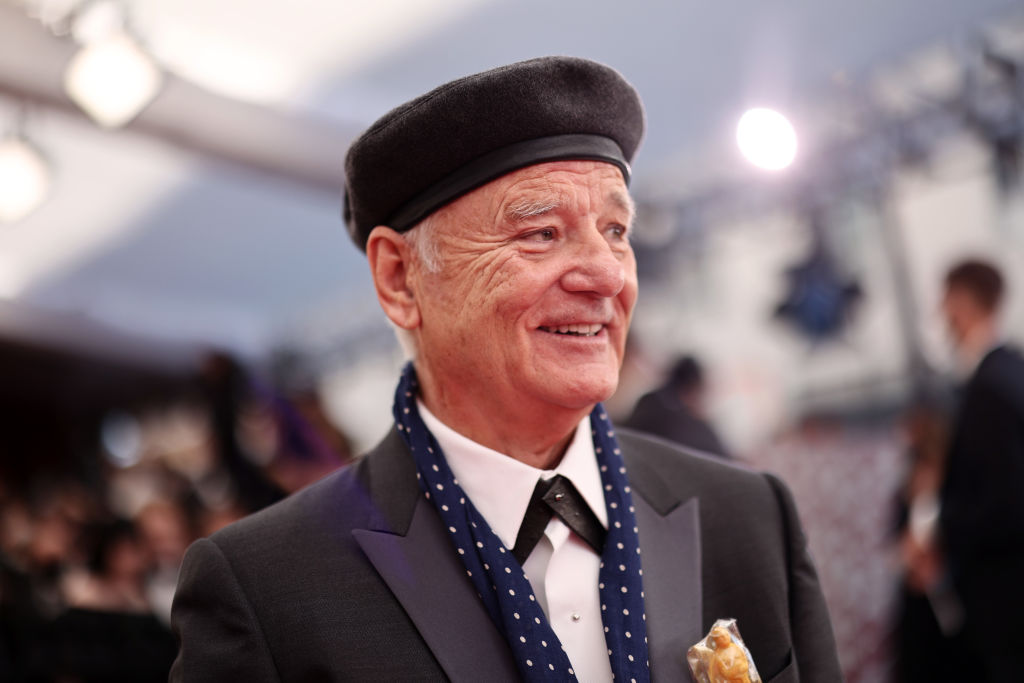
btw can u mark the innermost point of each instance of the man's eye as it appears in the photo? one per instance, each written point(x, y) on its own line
point(542, 235)
point(618, 231)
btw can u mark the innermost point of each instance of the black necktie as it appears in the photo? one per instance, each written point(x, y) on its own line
point(559, 497)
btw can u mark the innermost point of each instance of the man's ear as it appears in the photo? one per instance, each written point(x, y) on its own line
point(390, 261)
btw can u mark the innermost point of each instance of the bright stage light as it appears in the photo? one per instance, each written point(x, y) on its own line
point(112, 80)
point(24, 179)
point(767, 139)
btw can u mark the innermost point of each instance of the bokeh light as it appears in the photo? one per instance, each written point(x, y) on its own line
point(767, 139)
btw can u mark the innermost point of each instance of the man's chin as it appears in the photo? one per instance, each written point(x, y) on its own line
point(583, 396)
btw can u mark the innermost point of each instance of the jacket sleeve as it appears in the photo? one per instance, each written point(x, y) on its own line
point(982, 507)
point(814, 647)
point(219, 636)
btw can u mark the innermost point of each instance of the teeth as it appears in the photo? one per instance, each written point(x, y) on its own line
point(577, 329)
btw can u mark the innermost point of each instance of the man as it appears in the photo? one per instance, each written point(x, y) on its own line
point(675, 410)
point(504, 531)
point(982, 498)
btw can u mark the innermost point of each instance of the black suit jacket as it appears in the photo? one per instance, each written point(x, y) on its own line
point(354, 578)
point(982, 517)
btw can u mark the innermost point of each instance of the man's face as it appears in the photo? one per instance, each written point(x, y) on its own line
point(960, 311)
point(532, 301)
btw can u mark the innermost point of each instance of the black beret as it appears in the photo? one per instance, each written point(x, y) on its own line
point(459, 136)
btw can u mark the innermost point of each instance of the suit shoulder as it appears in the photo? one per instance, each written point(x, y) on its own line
point(669, 470)
point(379, 491)
point(660, 453)
point(1001, 360)
point(1001, 373)
point(324, 507)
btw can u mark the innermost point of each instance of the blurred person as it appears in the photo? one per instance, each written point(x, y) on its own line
point(496, 533)
point(51, 547)
point(164, 532)
point(226, 385)
point(72, 606)
point(927, 646)
point(116, 571)
point(309, 444)
point(19, 615)
point(638, 374)
point(982, 496)
point(108, 631)
point(676, 410)
point(40, 529)
point(268, 444)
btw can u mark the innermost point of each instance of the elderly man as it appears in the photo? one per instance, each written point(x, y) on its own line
point(503, 530)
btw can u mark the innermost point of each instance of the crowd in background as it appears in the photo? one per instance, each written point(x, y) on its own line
point(90, 551)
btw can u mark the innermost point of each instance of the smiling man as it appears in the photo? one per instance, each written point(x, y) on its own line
point(525, 313)
point(504, 530)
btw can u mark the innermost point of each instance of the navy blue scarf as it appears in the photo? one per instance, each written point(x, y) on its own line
point(498, 577)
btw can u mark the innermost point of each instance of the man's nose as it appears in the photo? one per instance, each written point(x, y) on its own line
point(596, 266)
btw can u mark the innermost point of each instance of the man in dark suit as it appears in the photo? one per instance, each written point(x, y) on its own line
point(982, 498)
point(675, 410)
point(503, 530)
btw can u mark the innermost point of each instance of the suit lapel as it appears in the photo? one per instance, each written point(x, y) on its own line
point(670, 543)
point(413, 556)
point(672, 587)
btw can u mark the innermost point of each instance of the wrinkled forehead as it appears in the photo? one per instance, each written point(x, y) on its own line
point(564, 186)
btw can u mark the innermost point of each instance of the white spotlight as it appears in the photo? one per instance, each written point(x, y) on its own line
point(24, 179)
point(112, 80)
point(767, 139)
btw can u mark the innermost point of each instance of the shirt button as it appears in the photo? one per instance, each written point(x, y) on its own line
point(576, 616)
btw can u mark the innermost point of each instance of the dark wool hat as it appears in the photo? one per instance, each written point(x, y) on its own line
point(459, 136)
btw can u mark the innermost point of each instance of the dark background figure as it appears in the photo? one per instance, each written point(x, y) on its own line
point(73, 606)
point(108, 632)
point(926, 644)
point(226, 384)
point(982, 513)
point(675, 410)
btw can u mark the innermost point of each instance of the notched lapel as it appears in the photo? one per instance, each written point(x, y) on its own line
point(672, 585)
point(429, 581)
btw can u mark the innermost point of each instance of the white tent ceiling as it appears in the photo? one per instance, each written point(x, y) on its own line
point(214, 217)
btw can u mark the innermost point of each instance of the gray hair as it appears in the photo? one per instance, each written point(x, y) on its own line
point(422, 240)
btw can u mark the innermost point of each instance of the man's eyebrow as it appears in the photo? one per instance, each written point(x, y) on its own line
point(522, 209)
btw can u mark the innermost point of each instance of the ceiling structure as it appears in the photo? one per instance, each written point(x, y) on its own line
point(214, 217)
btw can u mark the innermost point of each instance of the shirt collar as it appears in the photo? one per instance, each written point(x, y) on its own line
point(500, 486)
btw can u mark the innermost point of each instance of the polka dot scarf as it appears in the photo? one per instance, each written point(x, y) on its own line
point(499, 578)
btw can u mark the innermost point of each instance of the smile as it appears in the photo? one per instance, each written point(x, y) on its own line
point(576, 329)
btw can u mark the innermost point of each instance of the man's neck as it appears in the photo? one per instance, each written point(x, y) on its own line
point(534, 435)
point(540, 443)
point(978, 341)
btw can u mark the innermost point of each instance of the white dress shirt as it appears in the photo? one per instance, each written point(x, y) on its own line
point(562, 568)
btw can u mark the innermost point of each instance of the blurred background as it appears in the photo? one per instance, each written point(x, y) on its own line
point(187, 334)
